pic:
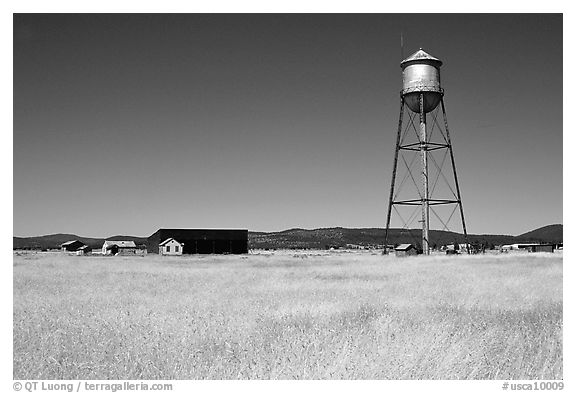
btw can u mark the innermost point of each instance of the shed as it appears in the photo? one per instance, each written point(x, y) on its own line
point(170, 246)
point(72, 245)
point(119, 247)
point(404, 250)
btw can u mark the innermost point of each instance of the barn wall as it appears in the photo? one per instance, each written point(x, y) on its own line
point(543, 248)
point(203, 241)
point(126, 251)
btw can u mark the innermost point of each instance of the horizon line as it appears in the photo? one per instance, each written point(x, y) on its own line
point(278, 231)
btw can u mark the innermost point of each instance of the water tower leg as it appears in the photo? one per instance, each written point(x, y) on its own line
point(391, 199)
point(455, 176)
point(425, 196)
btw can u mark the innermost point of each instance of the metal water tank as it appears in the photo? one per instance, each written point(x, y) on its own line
point(421, 74)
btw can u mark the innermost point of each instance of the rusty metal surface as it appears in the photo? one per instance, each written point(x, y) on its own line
point(422, 76)
point(431, 101)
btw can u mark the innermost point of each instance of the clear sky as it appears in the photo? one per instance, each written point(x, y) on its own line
point(127, 123)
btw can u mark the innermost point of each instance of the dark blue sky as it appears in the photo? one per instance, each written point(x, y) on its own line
point(127, 123)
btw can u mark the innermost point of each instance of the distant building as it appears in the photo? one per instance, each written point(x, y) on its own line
point(404, 250)
point(170, 246)
point(528, 247)
point(455, 248)
point(72, 245)
point(84, 250)
point(119, 247)
point(203, 241)
point(542, 248)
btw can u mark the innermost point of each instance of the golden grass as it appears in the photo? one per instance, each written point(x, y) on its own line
point(301, 315)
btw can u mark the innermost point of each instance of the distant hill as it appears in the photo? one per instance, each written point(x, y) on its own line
point(549, 233)
point(366, 237)
point(322, 238)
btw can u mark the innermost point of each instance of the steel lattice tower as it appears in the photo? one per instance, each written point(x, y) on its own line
point(423, 95)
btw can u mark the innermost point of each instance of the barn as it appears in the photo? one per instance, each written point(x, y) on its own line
point(119, 247)
point(542, 248)
point(203, 241)
point(72, 245)
point(529, 247)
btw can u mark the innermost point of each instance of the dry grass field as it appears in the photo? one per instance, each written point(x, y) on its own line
point(303, 315)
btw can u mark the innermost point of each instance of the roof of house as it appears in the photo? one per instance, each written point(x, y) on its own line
point(169, 240)
point(120, 243)
point(84, 247)
point(404, 247)
point(184, 235)
point(70, 242)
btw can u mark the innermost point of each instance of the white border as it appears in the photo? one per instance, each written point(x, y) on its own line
point(292, 6)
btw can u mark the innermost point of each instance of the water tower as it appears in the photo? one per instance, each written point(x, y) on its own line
point(423, 95)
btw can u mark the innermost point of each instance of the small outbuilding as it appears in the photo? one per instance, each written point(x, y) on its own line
point(72, 245)
point(404, 250)
point(170, 246)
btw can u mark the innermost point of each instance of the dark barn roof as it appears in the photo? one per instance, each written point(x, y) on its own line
point(203, 241)
point(72, 245)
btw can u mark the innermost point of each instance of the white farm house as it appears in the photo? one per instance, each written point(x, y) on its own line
point(170, 247)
